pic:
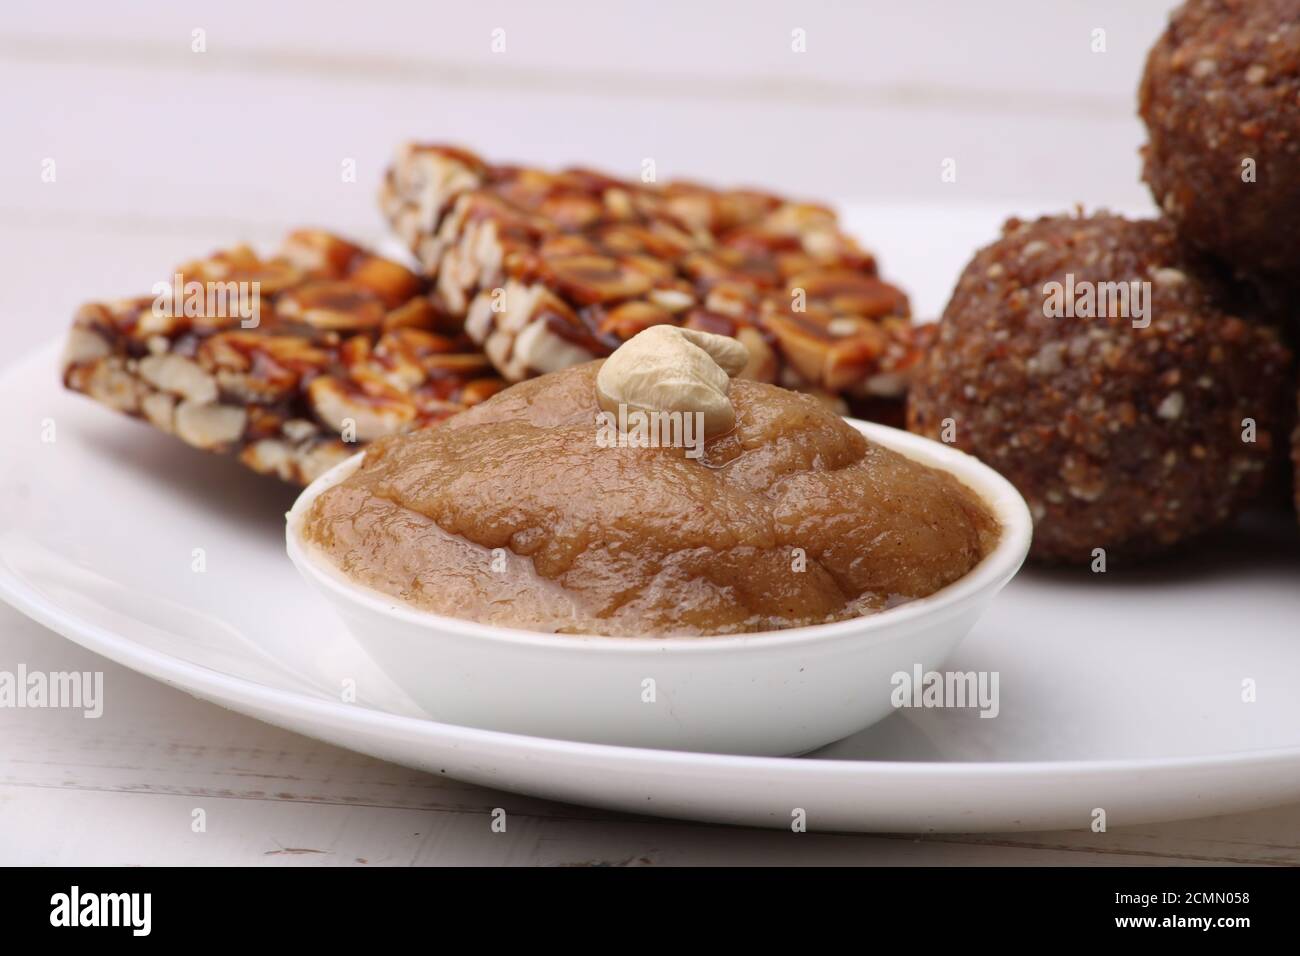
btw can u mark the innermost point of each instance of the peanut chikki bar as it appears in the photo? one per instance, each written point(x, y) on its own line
point(552, 269)
point(332, 347)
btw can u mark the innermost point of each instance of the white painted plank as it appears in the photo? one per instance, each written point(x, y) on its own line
point(135, 142)
point(1007, 52)
point(63, 827)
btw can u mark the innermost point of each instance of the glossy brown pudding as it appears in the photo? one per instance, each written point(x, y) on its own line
point(513, 513)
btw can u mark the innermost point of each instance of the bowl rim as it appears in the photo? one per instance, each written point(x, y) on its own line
point(992, 573)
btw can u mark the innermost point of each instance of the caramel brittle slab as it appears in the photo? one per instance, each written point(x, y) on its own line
point(291, 362)
point(553, 269)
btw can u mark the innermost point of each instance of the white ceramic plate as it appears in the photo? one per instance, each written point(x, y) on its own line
point(1116, 691)
point(1121, 691)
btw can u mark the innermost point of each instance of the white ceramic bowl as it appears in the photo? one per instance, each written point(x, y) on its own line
point(774, 693)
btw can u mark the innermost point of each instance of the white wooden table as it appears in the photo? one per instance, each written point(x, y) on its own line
point(161, 151)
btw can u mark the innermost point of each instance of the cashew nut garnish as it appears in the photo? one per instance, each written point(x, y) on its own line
point(671, 369)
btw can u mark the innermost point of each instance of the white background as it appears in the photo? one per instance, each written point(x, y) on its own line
point(162, 153)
